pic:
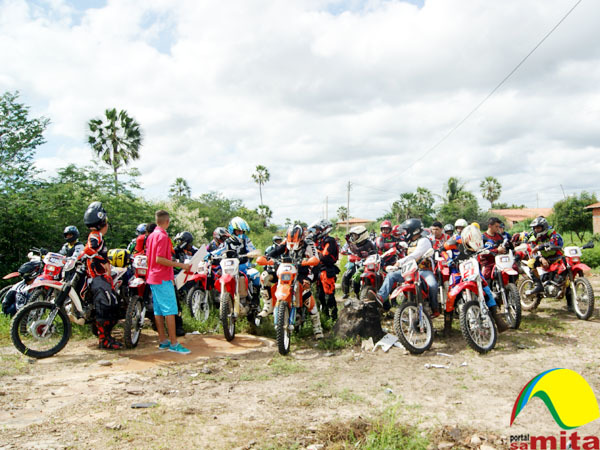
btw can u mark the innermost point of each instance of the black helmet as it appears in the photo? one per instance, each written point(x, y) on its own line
point(220, 234)
point(95, 215)
point(73, 231)
point(449, 228)
point(320, 228)
point(277, 240)
point(185, 238)
point(412, 227)
point(540, 222)
point(30, 270)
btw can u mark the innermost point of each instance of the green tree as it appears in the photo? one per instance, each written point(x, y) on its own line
point(490, 189)
point(342, 213)
point(570, 214)
point(265, 212)
point(116, 139)
point(180, 189)
point(497, 205)
point(413, 204)
point(260, 177)
point(453, 190)
point(465, 207)
point(19, 137)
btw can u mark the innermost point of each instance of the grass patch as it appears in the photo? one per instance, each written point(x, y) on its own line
point(541, 325)
point(280, 365)
point(5, 329)
point(11, 365)
point(349, 397)
point(333, 342)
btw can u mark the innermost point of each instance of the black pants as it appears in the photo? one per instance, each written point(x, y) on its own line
point(105, 299)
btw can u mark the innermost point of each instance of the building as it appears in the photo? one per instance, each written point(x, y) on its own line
point(353, 222)
point(513, 216)
point(596, 216)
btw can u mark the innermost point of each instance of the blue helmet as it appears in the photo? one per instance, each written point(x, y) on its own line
point(71, 231)
point(237, 223)
point(141, 228)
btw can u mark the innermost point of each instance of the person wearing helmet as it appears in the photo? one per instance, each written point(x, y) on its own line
point(18, 296)
point(101, 286)
point(493, 241)
point(360, 245)
point(327, 270)
point(437, 236)
point(461, 248)
point(459, 225)
point(72, 246)
point(140, 233)
point(385, 241)
point(268, 279)
point(277, 240)
point(297, 248)
point(549, 244)
point(184, 246)
point(398, 233)
point(449, 230)
point(418, 245)
point(219, 236)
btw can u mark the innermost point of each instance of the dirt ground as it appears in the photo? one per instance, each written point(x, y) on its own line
point(244, 395)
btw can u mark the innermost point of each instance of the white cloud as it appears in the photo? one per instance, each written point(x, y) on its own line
point(319, 98)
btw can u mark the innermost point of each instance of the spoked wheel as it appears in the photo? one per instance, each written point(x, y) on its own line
point(413, 327)
point(44, 295)
point(478, 329)
point(134, 321)
point(581, 296)
point(283, 328)
point(199, 301)
point(513, 306)
point(226, 315)
point(40, 330)
point(528, 302)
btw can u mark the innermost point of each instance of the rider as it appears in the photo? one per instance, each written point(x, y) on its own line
point(458, 249)
point(277, 240)
point(72, 247)
point(449, 230)
point(219, 236)
point(418, 245)
point(185, 246)
point(269, 279)
point(549, 243)
point(493, 240)
point(359, 244)
point(459, 225)
point(327, 270)
point(140, 234)
point(398, 233)
point(297, 247)
point(17, 297)
point(437, 237)
point(101, 286)
point(385, 241)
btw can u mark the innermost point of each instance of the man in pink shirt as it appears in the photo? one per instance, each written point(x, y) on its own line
point(159, 251)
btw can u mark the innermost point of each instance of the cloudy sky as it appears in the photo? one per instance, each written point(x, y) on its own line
point(321, 92)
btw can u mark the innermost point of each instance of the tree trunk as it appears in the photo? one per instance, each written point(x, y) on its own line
point(116, 181)
point(260, 192)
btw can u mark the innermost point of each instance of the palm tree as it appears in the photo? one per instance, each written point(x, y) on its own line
point(261, 176)
point(179, 189)
point(342, 213)
point(455, 189)
point(116, 139)
point(265, 213)
point(490, 189)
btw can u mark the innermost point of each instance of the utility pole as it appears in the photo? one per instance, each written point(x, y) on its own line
point(348, 208)
point(563, 189)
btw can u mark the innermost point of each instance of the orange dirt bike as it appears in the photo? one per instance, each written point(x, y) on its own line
point(290, 310)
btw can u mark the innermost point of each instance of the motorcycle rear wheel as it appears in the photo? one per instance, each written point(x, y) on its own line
point(479, 332)
point(199, 302)
point(134, 321)
point(581, 295)
point(30, 324)
point(528, 303)
point(226, 316)
point(513, 306)
point(406, 327)
point(282, 328)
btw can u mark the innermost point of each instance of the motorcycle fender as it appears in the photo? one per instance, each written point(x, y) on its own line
point(284, 293)
point(199, 278)
point(58, 285)
point(44, 283)
point(11, 275)
point(401, 289)
point(455, 290)
point(229, 282)
point(136, 282)
point(580, 268)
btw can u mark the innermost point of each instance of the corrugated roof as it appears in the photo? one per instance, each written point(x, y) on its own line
point(517, 215)
point(595, 205)
point(354, 220)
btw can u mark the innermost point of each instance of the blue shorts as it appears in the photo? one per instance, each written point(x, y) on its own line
point(163, 298)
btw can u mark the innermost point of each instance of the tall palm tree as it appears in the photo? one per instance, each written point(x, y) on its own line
point(490, 189)
point(116, 139)
point(454, 188)
point(179, 189)
point(260, 177)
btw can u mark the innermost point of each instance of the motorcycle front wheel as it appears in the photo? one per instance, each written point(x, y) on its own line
point(134, 321)
point(478, 330)
point(531, 302)
point(40, 330)
point(199, 301)
point(513, 306)
point(282, 328)
point(226, 316)
point(414, 332)
point(581, 295)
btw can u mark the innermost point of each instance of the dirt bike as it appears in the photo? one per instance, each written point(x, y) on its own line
point(442, 275)
point(202, 296)
point(564, 278)
point(290, 311)
point(373, 273)
point(53, 267)
point(139, 304)
point(41, 329)
point(236, 298)
point(504, 288)
point(35, 254)
point(412, 321)
point(476, 323)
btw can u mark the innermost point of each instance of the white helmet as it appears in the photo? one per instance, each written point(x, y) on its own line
point(460, 223)
point(471, 238)
point(357, 235)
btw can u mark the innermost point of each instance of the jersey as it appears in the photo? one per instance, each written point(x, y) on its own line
point(69, 250)
point(98, 265)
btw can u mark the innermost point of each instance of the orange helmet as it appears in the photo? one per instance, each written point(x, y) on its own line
point(295, 236)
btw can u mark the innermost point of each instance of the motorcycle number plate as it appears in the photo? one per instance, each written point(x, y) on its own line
point(286, 277)
point(228, 263)
point(467, 269)
point(573, 251)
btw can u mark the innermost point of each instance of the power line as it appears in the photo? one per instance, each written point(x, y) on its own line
point(474, 110)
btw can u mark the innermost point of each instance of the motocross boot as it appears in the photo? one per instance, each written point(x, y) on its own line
point(105, 340)
point(268, 308)
point(333, 305)
point(500, 323)
point(316, 321)
point(448, 323)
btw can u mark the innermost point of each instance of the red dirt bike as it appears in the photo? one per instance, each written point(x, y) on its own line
point(374, 272)
point(290, 311)
point(139, 305)
point(412, 320)
point(564, 278)
point(202, 297)
point(504, 287)
point(467, 296)
point(53, 267)
point(41, 329)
